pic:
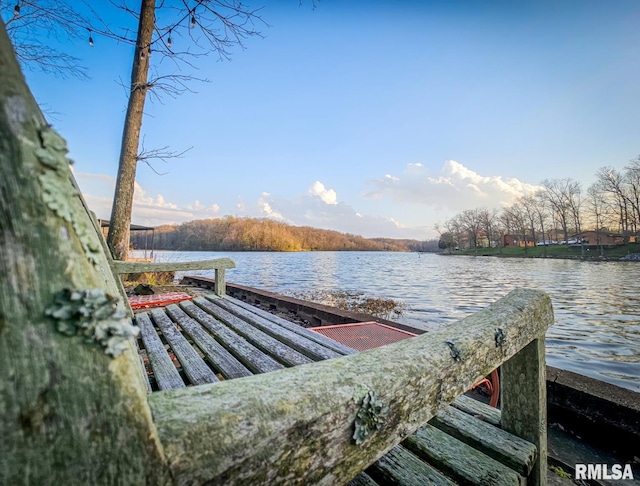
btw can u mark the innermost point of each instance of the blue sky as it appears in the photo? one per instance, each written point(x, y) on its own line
point(379, 118)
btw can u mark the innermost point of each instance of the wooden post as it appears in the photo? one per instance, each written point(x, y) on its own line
point(524, 400)
point(220, 285)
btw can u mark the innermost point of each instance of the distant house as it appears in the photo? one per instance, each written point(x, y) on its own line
point(514, 240)
point(600, 238)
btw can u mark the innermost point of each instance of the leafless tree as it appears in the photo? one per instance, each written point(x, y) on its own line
point(516, 216)
point(37, 28)
point(176, 32)
point(562, 196)
point(488, 220)
point(632, 177)
point(596, 204)
point(612, 182)
point(528, 205)
point(471, 223)
point(542, 212)
point(210, 27)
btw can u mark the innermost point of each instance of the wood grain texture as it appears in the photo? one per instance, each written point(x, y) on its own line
point(280, 351)
point(192, 364)
point(462, 462)
point(309, 348)
point(223, 360)
point(311, 335)
point(403, 468)
point(478, 409)
point(510, 450)
point(164, 371)
point(253, 358)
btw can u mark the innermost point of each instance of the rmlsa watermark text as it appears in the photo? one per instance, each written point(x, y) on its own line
point(603, 471)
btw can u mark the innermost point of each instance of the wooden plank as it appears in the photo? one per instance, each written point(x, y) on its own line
point(362, 479)
point(458, 460)
point(247, 353)
point(478, 409)
point(403, 468)
point(218, 433)
point(164, 371)
point(293, 327)
point(524, 402)
point(143, 370)
point(121, 267)
point(221, 359)
point(261, 340)
point(510, 450)
point(194, 367)
point(313, 350)
point(145, 377)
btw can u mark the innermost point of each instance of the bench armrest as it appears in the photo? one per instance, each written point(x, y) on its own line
point(218, 264)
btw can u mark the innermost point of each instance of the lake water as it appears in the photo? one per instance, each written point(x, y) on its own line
point(596, 304)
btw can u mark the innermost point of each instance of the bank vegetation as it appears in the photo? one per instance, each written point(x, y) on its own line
point(561, 213)
point(262, 234)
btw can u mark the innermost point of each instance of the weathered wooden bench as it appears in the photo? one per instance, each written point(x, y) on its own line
point(74, 404)
point(211, 339)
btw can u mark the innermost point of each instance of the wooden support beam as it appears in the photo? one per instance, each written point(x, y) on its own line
point(524, 402)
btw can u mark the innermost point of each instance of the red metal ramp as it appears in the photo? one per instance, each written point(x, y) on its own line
point(157, 300)
point(363, 335)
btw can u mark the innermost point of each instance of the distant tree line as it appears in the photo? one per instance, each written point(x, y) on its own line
point(554, 213)
point(262, 234)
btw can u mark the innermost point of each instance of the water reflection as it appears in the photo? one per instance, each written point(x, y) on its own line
point(596, 304)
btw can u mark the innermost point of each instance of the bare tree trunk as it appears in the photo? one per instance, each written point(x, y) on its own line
point(69, 413)
point(118, 238)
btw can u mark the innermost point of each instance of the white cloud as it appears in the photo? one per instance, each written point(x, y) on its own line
point(317, 207)
point(265, 208)
point(329, 196)
point(310, 210)
point(455, 187)
point(148, 210)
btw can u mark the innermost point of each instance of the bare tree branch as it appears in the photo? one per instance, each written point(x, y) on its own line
point(162, 153)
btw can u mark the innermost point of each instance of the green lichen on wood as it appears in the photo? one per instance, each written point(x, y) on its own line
point(58, 194)
point(370, 417)
point(95, 315)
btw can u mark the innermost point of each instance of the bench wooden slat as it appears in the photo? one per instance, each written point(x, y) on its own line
point(510, 450)
point(478, 409)
point(313, 336)
point(164, 371)
point(401, 467)
point(313, 350)
point(459, 460)
point(221, 359)
point(194, 367)
point(266, 343)
point(362, 479)
point(247, 353)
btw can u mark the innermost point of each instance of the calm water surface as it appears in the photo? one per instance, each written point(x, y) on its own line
point(597, 304)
